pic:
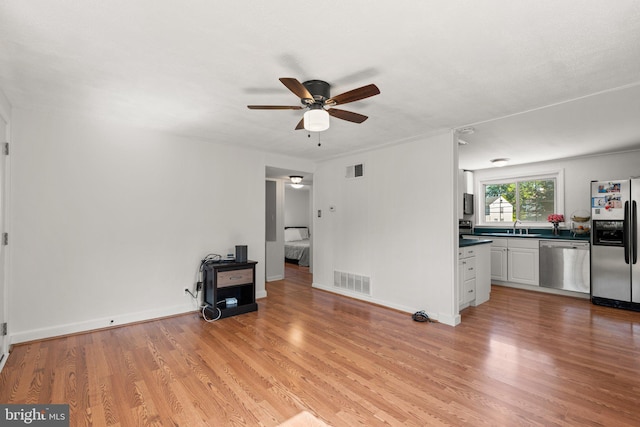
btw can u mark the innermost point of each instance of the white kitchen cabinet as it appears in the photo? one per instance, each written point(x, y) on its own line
point(522, 261)
point(468, 292)
point(515, 260)
point(466, 275)
point(460, 281)
point(469, 280)
point(483, 273)
point(474, 283)
point(499, 259)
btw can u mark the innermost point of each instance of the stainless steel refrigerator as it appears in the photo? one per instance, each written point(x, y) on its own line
point(615, 271)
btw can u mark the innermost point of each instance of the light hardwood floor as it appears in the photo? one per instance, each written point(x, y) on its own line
point(523, 358)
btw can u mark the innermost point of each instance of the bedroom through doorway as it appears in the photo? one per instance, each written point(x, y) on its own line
point(297, 225)
point(289, 223)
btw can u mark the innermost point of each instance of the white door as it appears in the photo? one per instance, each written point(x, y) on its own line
point(3, 291)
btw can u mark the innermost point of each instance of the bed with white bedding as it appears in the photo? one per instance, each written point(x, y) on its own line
point(296, 245)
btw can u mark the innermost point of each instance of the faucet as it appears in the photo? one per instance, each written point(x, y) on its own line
point(515, 224)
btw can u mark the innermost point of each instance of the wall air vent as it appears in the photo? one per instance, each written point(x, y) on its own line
point(355, 171)
point(352, 282)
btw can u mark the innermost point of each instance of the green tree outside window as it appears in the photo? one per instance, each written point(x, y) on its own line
point(526, 200)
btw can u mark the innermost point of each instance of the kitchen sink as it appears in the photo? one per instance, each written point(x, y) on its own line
point(511, 235)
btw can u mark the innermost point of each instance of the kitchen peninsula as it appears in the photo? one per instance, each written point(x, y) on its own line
point(522, 260)
point(474, 272)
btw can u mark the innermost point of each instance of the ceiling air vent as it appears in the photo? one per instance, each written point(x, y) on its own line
point(355, 171)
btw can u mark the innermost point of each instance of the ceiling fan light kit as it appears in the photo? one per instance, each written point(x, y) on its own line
point(314, 96)
point(316, 120)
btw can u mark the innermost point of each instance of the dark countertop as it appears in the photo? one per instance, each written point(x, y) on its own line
point(544, 234)
point(462, 243)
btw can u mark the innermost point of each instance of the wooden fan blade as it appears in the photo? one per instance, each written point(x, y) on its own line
point(354, 95)
point(300, 124)
point(274, 107)
point(296, 87)
point(347, 115)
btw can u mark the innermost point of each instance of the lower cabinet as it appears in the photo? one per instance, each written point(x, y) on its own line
point(499, 259)
point(467, 276)
point(515, 261)
point(474, 283)
point(523, 266)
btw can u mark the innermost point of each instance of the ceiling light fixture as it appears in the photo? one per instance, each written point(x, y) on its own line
point(316, 119)
point(296, 181)
point(499, 162)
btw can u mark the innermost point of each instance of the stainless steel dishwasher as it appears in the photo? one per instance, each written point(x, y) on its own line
point(564, 264)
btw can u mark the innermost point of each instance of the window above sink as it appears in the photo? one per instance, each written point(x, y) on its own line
point(528, 199)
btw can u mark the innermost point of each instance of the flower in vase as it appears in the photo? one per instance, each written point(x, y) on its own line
point(555, 218)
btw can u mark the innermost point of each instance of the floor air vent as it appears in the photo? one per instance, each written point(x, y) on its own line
point(352, 282)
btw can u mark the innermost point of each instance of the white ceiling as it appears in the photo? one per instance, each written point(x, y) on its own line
point(190, 68)
point(602, 123)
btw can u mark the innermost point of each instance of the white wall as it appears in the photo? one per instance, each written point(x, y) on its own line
point(110, 222)
point(297, 208)
point(578, 173)
point(395, 225)
point(5, 107)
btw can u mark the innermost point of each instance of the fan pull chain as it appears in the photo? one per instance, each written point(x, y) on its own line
point(309, 136)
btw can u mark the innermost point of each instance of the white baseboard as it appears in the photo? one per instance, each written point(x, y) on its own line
point(447, 320)
point(363, 298)
point(274, 278)
point(88, 325)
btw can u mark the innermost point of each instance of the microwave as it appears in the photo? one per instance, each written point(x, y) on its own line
point(467, 204)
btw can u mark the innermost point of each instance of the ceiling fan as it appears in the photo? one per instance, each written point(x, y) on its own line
point(314, 97)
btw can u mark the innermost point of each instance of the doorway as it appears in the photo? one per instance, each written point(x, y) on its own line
point(287, 207)
point(298, 226)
